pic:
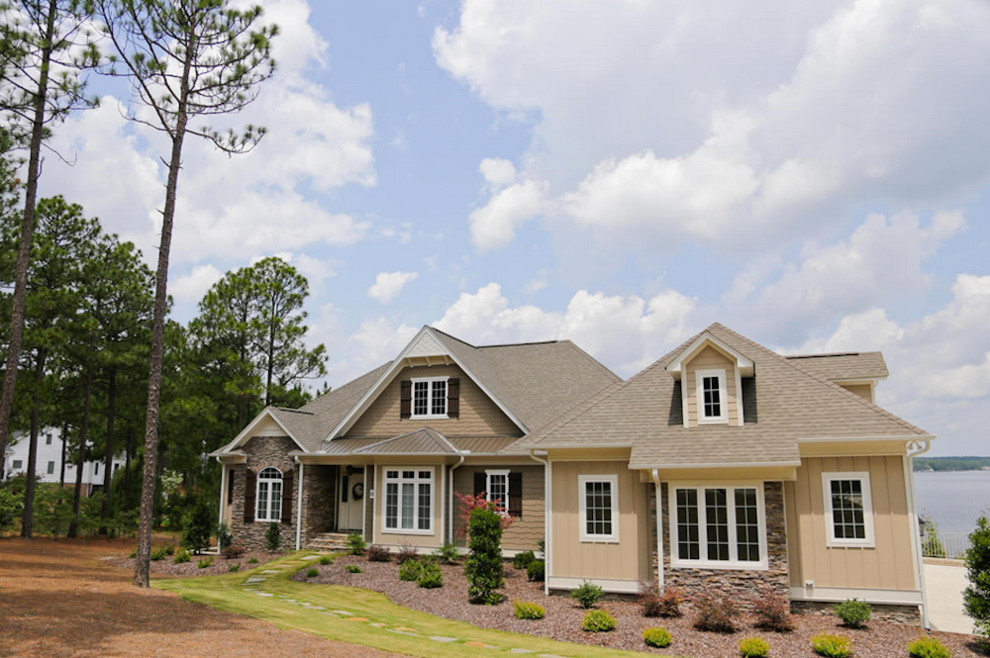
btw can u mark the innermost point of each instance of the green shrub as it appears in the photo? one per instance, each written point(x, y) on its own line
point(657, 637)
point(353, 568)
point(430, 576)
point(660, 604)
point(325, 559)
point(273, 537)
point(356, 543)
point(854, 613)
point(773, 613)
point(527, 610)
point(976, 598)
point(483, 567)
point(181, 557)
point(202, 564)
point(224, 538)
point(587, 594)
point(523, 560)
point(234, 566)
point(447, 554)
point(409, 570)
point(928, 647)
point(378, 553)
point(253, 560)
point(715, 613)
point(170, 549)
point(133, 554)
point(159, 553)
point(831, 646)
point(198, 526)
point(754, 647)
point(11, 507)
point(312, 573)
point(536, 571)
point(598, 621)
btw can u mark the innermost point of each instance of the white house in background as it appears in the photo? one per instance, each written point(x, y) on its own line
point(49, 461)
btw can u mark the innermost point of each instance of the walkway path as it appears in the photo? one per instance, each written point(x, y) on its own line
point(944, 586)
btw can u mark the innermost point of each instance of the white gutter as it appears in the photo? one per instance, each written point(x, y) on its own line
point(547, 517)
point(299, 506)
point(655, 474)
point(919, 561)
point(450, 531)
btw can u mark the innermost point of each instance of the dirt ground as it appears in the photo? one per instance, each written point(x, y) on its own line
point(60, 599)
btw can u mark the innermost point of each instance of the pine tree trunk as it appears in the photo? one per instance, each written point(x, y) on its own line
point(127, 467)
point(27, 235)
point(108, 455)
point(65, 441)
point(81, 459)
point(27, 521)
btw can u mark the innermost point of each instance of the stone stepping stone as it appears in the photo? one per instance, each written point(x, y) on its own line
point(255, 579)
point(377, 624)
point(396, 630)
point(520, 650)
point(343, 612)
point(265, 594)
point(270, 571)
point(441, 638)
point(312, 557)
point(550, 655)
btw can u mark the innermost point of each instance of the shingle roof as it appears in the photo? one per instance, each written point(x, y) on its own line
point(792, 402)
point(843, 366)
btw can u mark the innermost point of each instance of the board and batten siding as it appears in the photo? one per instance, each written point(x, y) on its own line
point(479, 415)
point(525, 532)
point(711, 359)
point(888, 566)
point(432, 540)
point(628, 560)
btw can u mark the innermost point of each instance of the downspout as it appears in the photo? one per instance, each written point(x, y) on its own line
point(450, 530)
point(299, 506)
point(223, 488)
point(919, 560)
point(655, 473)
point(547, 517)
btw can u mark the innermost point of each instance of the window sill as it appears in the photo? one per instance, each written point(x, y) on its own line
point(604, 539)
point(713, 421)
point(430, 417)
point(267, 520)
point(841, 543)
point(397, 531)
point(719, 566)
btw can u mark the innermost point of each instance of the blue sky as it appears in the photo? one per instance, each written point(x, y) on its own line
point(620, 174)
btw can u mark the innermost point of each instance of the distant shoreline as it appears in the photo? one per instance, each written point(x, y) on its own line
point(951, 464)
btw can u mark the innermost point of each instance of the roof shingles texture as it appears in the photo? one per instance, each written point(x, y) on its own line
point(839, 367)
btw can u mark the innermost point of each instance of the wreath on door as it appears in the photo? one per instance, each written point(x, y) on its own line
point(357, 491)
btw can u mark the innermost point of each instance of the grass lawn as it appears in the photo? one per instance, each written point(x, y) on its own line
point(359, 616)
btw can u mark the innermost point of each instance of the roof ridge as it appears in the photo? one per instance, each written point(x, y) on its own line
point(451, 336)
point(825, 355)
point(584, 353)
point(833, 386)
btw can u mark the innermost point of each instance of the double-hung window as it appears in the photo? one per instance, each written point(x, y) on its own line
point(598, 501)
point(718, 527)
point(269, 496)
point(497, 487)
point(429, 397)
point(711, 396)
point(409, 500)
point(848, 509)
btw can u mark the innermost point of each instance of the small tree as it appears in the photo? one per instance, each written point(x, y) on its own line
point(273, 537)
point(196, 535)
point(483, 566)
point(977, 595)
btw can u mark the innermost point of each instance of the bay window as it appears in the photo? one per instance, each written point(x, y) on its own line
point(722, 527)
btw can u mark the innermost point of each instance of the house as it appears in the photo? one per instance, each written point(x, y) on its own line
point(722, 465)
point(50, 459)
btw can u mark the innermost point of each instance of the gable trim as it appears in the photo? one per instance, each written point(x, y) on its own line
point(247, 433)
point(397, 365)
point(742, 362)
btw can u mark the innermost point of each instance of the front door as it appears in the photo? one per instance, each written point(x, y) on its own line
point(351, 499)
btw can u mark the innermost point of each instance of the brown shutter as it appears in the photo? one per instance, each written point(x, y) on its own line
point(230, 486)
point(405, 399)
point(515, 494)
point(345, 482)
point(287, 497)
point(453, 397)
point(479, 483)
point(250, 490)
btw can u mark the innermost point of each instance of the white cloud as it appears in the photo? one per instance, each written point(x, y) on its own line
point(494, 224)
point(388, 285)
point(191, 287)
point(868, 330)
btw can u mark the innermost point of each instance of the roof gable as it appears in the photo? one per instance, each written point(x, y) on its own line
point(261, 425)
point(424, 441)
point(705, 339)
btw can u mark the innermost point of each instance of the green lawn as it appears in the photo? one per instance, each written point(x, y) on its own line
point(359, 616)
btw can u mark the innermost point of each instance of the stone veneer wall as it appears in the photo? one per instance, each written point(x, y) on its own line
point(742, 585)
point(319, 499)
point(262, 452)
point(898, 614)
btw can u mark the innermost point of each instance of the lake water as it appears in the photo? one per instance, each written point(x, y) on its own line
point(953, 499)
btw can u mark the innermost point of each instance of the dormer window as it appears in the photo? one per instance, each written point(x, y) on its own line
point(429, 397)
point(711, 396)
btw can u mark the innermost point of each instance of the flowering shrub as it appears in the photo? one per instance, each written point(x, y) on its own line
point(470, 503)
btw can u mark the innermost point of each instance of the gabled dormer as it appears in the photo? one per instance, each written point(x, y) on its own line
point(710, 375)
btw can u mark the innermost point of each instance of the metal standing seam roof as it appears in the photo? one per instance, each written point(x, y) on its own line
point(424, 441)
point(792, 403)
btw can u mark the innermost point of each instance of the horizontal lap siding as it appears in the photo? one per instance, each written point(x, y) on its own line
point(709, 359)
point(631, 558)
point(887, 566)
point(479, 416)
point(524, 532)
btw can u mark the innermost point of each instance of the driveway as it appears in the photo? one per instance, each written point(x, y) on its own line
point(945, 585)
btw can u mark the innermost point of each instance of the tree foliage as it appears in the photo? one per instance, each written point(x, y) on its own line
point(977, 596)
point(483, 567)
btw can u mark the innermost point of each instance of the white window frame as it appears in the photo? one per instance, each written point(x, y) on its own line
point(488, 485)
point(613, 481)
point(869, 541)
point(733, 563)
point(268, 516)
point(429, 399)
point(723, 396)
point(416, 480)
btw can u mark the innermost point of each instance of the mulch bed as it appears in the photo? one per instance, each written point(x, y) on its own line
point(563, 616)
point(219, 565)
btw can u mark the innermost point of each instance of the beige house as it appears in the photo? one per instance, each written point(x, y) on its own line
point(723, 465)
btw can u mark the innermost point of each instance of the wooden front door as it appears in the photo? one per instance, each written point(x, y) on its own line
point(351, 500)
